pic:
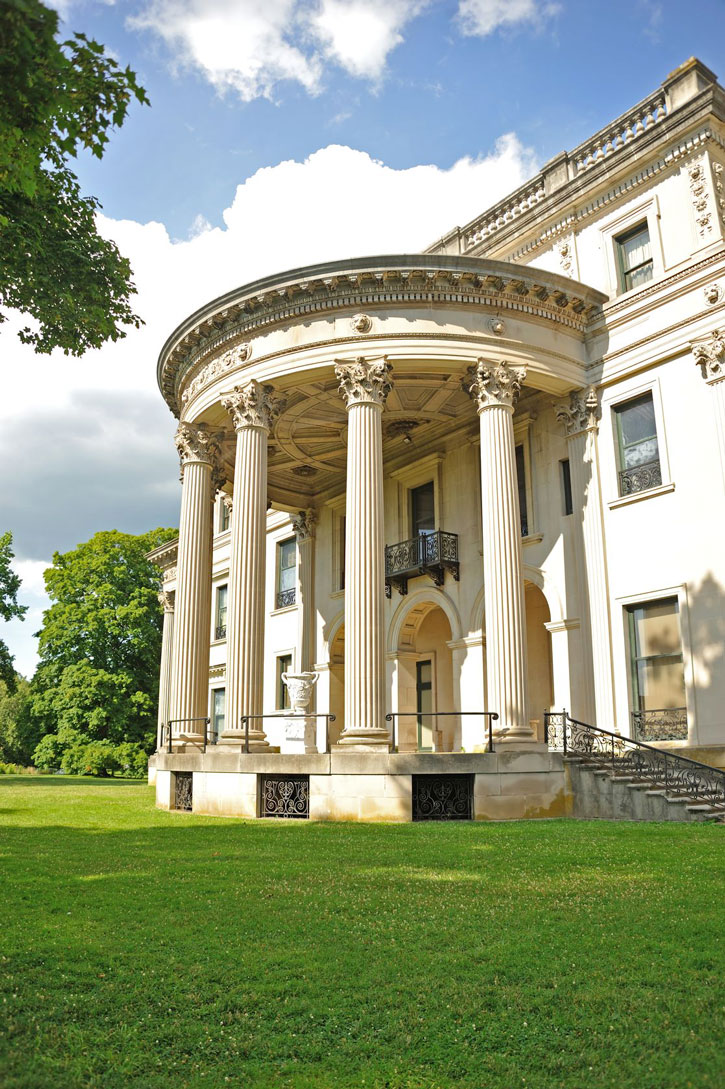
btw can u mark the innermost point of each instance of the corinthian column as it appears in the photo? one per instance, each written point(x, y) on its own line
point(364, 386)
point(495, 388)
point(253, 409)
point(166, 601)
point(188, 699)
point(304, 527)
point(710, 357)
point(580, 418)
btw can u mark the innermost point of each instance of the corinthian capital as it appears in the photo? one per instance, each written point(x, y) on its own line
point(304, 524)
point(253, 405)
point(710, 356)
point(494, 384)
point(366, 381)
point(196, 444)
point(166, 600)
point(581, 413)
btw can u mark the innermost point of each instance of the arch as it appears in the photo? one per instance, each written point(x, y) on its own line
point(420, 603)
point(330, 632)
point(534, 575)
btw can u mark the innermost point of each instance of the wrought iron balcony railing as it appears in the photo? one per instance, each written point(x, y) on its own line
point(285, 598)
point(221, 631)
point(430, 554)
point(663, 724)
point(640, 478)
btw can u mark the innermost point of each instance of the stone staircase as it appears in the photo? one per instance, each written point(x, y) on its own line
point(599, 793)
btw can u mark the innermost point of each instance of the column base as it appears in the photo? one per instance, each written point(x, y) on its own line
point(234, 739)
point(362, 740)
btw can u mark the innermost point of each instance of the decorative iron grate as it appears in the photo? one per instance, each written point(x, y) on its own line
point(183, 790)
point(285, 796)
point(665, 724)
point(221, 631)
point(430, 553)
point(442, 797)
point(285, 598)
point(640, 478)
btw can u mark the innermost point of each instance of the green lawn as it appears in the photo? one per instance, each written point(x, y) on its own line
point(158, 949)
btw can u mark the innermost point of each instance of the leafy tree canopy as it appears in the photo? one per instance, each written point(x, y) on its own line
point(18, 737)
point(9, 608)
point(57, 98)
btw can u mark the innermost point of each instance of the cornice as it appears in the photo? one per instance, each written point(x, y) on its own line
point(165, 555)
point(404, 281)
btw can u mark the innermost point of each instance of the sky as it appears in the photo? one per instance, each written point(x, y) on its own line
point(282, 133)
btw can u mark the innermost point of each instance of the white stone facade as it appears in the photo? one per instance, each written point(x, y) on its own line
point(533, 411)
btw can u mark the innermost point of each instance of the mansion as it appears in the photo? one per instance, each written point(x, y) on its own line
point(430, 499)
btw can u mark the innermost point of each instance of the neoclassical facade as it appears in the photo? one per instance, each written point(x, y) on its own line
point(486, 480)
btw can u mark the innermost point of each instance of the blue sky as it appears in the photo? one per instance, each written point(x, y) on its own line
point(281, 133)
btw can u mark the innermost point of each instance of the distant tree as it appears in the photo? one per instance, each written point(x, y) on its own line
point(9, 608)
point(57, 98)
point(97, 681)
point(18, 736)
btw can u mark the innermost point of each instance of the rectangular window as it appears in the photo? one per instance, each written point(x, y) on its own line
point(634, 257)
point(521, 482)
point(221, 613)
point(224, 516)
point(424, 704)
point(284, 665)
point(286, 572)
point(422, 509)
point(566, 486)
point(218, 710)
point(639, 457)
point(658, 679)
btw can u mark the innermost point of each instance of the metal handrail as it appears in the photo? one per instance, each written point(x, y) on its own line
point(677, 774)
point(245, 719)
point(172, 721)
point(492, 717)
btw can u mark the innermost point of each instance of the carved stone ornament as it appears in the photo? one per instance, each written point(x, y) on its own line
point(169, 574)
point(582, 413)
point(166, 600)
point(491, 384)
point(361, 323)
point(300, 686)
point(228, 502)
point(565, 249)
point(253, 405)
point(232, 359)
point(366, 381)
point(218, 479)
point(196, 444)
point(304, 524)
point(710, 356)
point(713, 293)
point(497, 326)
point(696, 173)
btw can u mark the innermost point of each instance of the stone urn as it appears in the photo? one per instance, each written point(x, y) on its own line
point(300, 732)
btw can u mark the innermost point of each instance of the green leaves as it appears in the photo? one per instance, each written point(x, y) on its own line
point(58, 98)
point(9, 608)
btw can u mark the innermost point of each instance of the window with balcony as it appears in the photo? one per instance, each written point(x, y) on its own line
point(634, 257)
point(220, 628)
point(286, 573)
point(658, 679)
point(422, 509)
point(638, 450)
point(284, 665)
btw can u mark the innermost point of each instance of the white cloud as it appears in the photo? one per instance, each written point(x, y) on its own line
point(359, 34)
point(482, 17)
point(241, 45)
point(91, 439)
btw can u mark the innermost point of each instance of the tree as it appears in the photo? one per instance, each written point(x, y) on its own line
point(97, 681)
point(18, 737)
point(57, 98)
point(9, 608)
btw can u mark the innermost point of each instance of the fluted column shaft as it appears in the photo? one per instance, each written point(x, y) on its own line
point(364, 386)
point(192, 623)
point(167, 602)
point(495, 388)
point(581, 418)
point(252, 408)
point(304, 526)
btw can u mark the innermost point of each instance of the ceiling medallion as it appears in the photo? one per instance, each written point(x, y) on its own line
point(397, 429)
point(361, 323)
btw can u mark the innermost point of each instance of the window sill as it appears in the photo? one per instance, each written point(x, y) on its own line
point(531, 539)
point(218, 642)
point(284, 609)
point(337, 593)
point(648, 493)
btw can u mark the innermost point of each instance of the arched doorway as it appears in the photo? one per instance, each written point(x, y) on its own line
point(540, 673)
point(424, 664)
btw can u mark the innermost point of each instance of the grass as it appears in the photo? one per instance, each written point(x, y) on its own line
point(151, 949)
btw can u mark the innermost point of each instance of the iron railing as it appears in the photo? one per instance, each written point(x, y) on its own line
point(660, 724)
point(677, 775)
point(285, 598)
point(176, 721)
point(431, 554)
point(246, 719)
point(490, 716)
point(221, 631)
point(640, 478)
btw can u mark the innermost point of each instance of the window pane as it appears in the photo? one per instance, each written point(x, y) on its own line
point(657, 629)
point(661, 683)
point(566, 485)
point(221, 606)
point(521, 483)
point(284, 665)
point(423, 508)
point(287, 565)
point(638, 276)
point(219, 709)
point(635, 249)
point(637, 420)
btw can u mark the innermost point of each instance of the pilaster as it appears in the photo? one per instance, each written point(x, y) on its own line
point(166, 601)
point(710, 357)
